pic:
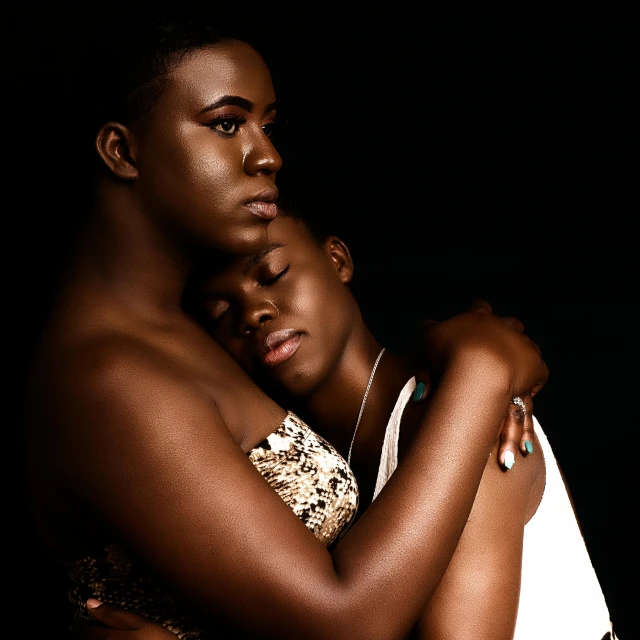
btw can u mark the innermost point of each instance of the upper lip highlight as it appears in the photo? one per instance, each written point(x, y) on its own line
point(276, 338)
point(266, 195)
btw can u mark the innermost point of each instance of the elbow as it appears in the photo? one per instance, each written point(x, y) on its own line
point(367, 631)
point(372, 624)
point(344, 611)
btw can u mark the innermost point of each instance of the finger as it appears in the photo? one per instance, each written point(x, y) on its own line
point(481, 305)
point(543, 380)
point(514, 322)
point(511, 436)
point(535, 344)
point(526, 445)
point(428, 327)
point(115, 618)
point(422, 388)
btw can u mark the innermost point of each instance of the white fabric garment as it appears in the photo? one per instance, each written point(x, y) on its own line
point(389, 455)
point(560, 595)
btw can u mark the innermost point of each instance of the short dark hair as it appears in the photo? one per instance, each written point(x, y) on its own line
point(126, 64)
point(307, 201)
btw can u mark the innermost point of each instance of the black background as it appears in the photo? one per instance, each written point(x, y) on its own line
point(460, 156)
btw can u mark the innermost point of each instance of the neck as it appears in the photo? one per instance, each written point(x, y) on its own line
point(129, 257)
point(333, 408)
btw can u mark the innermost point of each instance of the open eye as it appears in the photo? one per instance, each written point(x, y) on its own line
point(268, 128)
point(227, 125)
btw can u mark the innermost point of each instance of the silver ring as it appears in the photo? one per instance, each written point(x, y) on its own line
point(520, 403)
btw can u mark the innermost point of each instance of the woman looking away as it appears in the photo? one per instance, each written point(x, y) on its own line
point(138, 424)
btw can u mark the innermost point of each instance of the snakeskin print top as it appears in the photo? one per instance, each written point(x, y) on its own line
point(305, 471)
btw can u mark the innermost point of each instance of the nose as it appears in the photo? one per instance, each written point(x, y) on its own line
point(255, 316)
point(262, 156)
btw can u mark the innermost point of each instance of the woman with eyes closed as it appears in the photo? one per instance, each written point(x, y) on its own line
point(138, 425)
point(270, 313)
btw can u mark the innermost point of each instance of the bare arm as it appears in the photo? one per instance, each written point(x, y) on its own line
point(479, 593)
point(194, 509)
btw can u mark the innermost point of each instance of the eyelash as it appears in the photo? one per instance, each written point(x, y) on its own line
point(275, 278)
point(216, 321)
point(269, 128)
point(238, 121)
point(269, 281)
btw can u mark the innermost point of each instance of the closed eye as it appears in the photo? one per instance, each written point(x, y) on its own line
point(215, 310)
point(218, 318)
point(273, 279)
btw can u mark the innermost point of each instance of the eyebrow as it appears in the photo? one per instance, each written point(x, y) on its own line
point(253, 261)
point(236, 101)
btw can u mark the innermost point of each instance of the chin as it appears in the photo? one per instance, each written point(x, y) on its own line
point(292, 383)
point(248, 241)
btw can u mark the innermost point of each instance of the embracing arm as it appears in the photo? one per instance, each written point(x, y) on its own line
point(478, 596)
point(192, 507)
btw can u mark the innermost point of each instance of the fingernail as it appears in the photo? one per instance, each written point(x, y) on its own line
point(93, 603)
point(419, 392)
point(509, 459)
point(528, 446)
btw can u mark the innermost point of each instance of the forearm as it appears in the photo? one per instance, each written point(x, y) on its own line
point(478, 595)
point(395, 556)
point(207, 522)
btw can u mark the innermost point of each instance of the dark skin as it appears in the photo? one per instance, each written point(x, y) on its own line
point(319, 369)
point(138, 422)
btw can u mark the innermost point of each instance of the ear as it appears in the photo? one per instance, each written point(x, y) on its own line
point(116, 146)
point(340, 256)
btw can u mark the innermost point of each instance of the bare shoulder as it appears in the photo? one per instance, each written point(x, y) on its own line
point(137, 390)
point(110, 370)
point(137, 450)
point(115, 387)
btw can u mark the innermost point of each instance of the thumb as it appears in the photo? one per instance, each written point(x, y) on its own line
point(115, 618)
point(427, 329)
point(480, 305)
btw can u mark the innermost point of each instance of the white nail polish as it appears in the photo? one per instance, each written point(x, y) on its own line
point(509, 459)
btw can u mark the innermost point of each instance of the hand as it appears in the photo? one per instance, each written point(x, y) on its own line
point(118, 624)
point(496, 344)
point(482, 333)
point(516, 433)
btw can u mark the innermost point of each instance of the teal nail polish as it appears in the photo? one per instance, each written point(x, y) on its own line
point(419, 392)
point(528, 446)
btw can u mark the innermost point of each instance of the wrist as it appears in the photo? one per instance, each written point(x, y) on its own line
point(480, 368)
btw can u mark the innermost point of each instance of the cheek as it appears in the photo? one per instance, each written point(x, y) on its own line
point(210, 165)
point(321, 307)
point(164, 173)
point(309, 300)
point(193, 163)
point(214, 175)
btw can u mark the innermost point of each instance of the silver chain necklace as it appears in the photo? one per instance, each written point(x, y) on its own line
point(364, 401)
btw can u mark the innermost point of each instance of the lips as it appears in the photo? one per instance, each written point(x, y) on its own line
point(279, 346)
point(263, 204)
